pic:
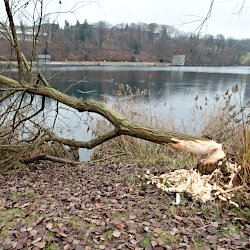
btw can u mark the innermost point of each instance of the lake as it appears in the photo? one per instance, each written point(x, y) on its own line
point(173, 88)
point(176, 86)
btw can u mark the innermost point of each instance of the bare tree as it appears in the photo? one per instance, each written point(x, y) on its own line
point(18, 107)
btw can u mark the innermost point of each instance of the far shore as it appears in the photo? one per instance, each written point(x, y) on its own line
point(106, 63)
point(99, 63)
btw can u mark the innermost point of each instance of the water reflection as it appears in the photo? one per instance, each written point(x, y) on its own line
point(105, 80)
point(174, 90)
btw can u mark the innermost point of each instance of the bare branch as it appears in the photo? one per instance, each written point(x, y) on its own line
point(82, 144)
point(241, 7)
point(29, 117)
point(46, 157)
point(199, 28)
point(16, 44)
point(7, 95)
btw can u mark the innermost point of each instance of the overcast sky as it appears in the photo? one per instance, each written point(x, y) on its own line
point(185, 15)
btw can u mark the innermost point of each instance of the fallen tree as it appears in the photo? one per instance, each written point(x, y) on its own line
point(122, 126)
point(36, 85)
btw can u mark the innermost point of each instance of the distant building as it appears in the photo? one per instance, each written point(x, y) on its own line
point(178, 60)
point(44, 58)
point(22, 32)
point(27, 33)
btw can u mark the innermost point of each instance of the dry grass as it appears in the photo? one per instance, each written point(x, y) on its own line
point(137, 150)
point(227, 124)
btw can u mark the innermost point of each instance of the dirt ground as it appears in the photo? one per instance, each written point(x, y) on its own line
point(109, 206)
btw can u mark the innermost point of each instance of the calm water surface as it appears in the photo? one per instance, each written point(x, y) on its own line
point(171, 81)
point(172, 88)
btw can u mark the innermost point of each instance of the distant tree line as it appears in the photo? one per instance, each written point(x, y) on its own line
point(131, 42)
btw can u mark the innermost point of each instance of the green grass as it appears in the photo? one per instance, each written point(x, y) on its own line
point(13, 216)
point(78, 222)
point(120, 215)
point(229, 230)
point(28, 192)
point(246, 213)
point(52, 246)
point(8, 218)
point(213, 210)
point(199, 244)
point(108, 236)
point(146, 241)
point(168, 238)
point(51, 234)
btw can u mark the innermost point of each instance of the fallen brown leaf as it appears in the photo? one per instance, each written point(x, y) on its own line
point(116, 234)
point(40, 244)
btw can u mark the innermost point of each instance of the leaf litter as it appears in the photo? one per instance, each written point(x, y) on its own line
point(107, 206)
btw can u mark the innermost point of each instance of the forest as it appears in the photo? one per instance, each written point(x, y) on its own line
point(135, 42)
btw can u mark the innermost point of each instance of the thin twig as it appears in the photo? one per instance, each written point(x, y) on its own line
point(105, 159)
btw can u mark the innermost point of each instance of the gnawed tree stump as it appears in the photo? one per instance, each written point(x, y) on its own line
point(213, 151)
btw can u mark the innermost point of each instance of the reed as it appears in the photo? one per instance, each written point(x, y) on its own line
point(227, 122)
point(229, 125)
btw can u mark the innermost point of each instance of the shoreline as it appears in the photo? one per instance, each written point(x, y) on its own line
point(108, 63)
point(98, 63)
point(118, 64)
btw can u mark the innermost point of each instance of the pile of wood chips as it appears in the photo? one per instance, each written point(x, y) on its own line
point(203, 187)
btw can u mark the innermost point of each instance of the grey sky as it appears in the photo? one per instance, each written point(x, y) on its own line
point(185, 15)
